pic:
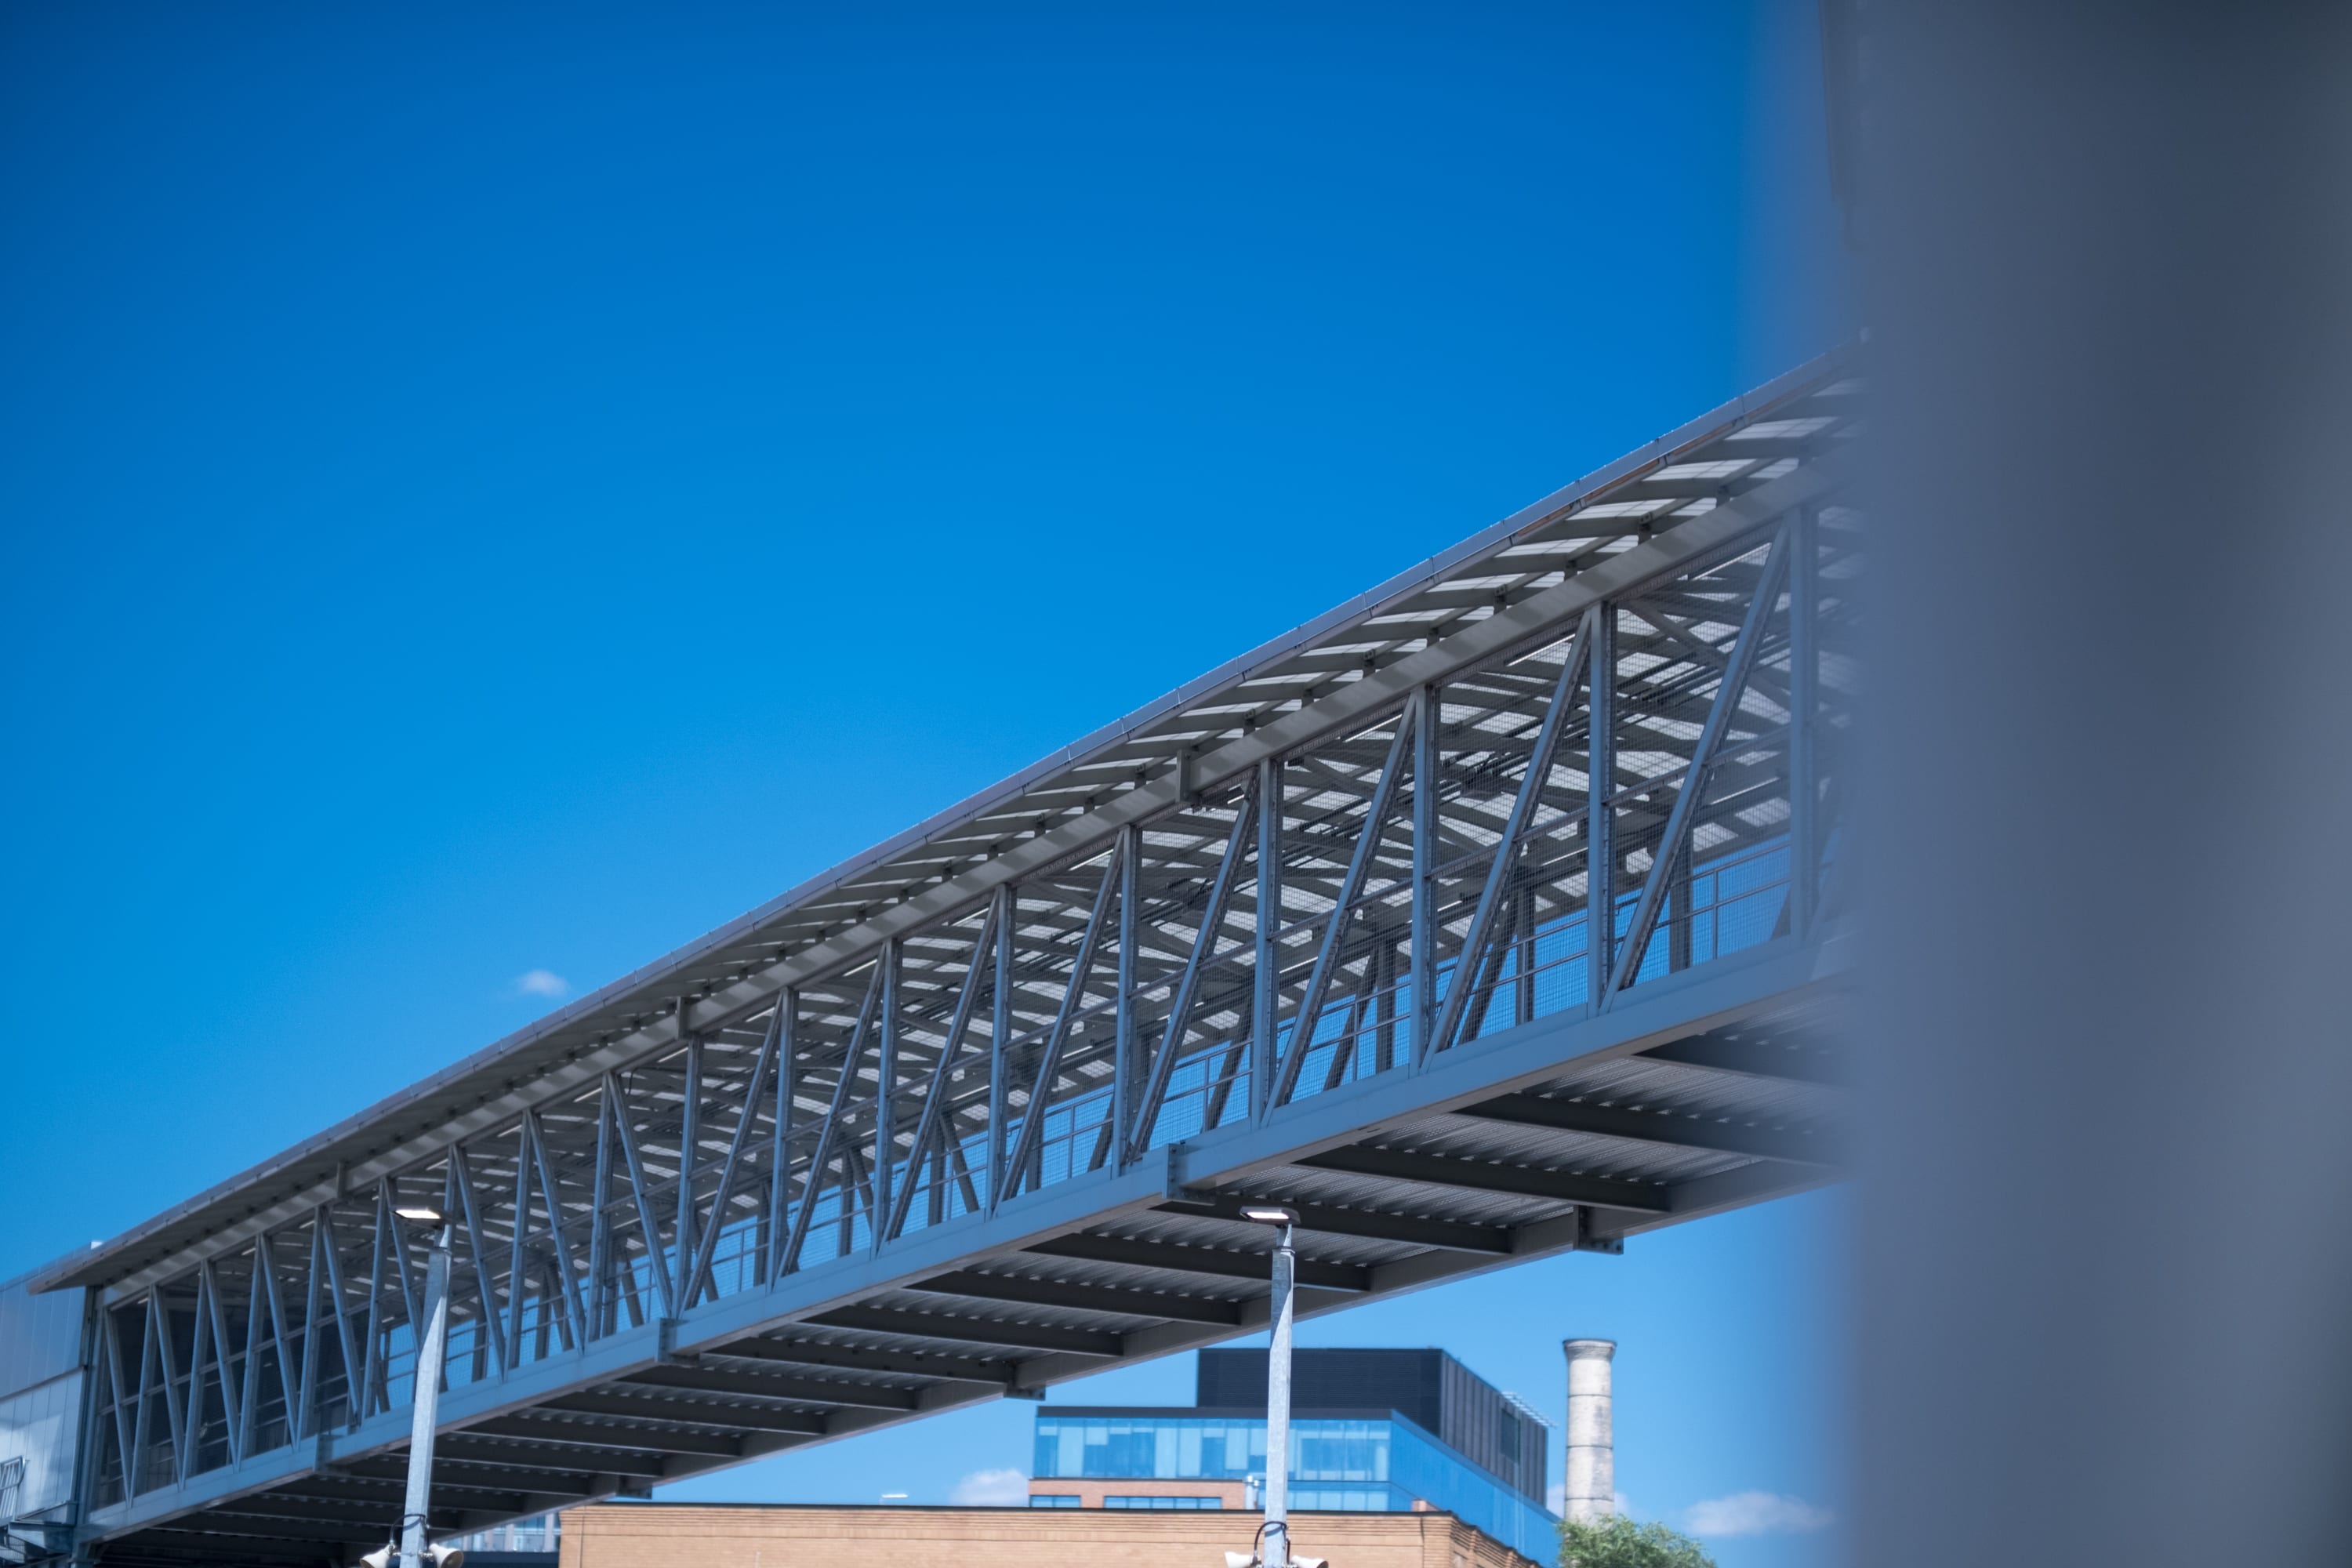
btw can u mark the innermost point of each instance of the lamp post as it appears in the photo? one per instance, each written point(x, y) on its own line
point(432, 1350)
point(1274, 1549)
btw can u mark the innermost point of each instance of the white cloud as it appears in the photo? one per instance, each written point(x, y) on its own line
point(991, 1489)
point(541, 983)
point(1758, 1513)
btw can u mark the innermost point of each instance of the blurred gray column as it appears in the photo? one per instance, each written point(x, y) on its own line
point(2104, 1267)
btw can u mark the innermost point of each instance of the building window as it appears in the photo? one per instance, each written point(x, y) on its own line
point(541, 1532)
point(1348, 1499)
point(1053, 1499)
point(1119, 1501)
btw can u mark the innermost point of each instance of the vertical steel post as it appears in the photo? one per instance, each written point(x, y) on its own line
point(1267, 977)
point(1125, 1090)
point(372, 1367)
point(781, 1167)
point(689, 1138)
point(1804, 675)
point(1276, 1549)
point(309, 1390)
point(600, 1223)
point(516, 1255)
point(1425, 872)
point(87, 1449)
point(125, 1442)
point(886, 1088)
point(1681, 925)
point(135, 1470)
point(1524, 1011)
point(1600, 815)
point(249, 1401)
point(426, 1408)
point(1000, 1060)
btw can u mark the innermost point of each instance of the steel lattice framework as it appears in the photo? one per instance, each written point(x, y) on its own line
point(1485, 917)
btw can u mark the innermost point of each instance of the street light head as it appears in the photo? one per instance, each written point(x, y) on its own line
point(1240, 1560)
point(1269, 1214)
point(381, 1556)
point(419, 1214)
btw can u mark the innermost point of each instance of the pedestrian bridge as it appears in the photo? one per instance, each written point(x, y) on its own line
point(1491, 915)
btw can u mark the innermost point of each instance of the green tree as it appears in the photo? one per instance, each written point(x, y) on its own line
point(1617, 1542)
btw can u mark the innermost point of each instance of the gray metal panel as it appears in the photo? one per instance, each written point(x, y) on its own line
point(40, 1334)
point(41, 1399)
point(42, 1426)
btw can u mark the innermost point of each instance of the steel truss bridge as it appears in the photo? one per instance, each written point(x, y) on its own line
point(1491, 916)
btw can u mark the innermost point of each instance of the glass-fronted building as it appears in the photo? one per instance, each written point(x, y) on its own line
point(1366, 1459)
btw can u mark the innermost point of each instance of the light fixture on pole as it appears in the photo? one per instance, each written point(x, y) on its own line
point(440, 1556)
point(1273, 1535)
point(410, 1550)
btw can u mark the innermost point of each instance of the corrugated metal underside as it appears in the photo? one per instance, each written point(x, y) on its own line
point(1616, 1146)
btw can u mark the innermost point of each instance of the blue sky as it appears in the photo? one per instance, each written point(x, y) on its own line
point(485, 495)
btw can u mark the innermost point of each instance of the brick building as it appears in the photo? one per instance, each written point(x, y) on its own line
point(1401, 1458)
point(787, 1535)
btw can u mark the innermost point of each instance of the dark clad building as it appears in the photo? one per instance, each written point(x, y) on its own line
point(1427, 1387)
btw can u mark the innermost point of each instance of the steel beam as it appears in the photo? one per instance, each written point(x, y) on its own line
point(1728, 693)
point(1025, 1290)
point(1528, 1181)
point(1507, 848)
point(698, 1275)
point(1800, 1147)
point(1373, 1225)
point(653, 1421)
point(815, 1181)
point(1030, 1144)
point(932, 1122)
point(554, 1428)
point(1599, 628)
point(768, 1385)
point(1180, 1006)
point(1427, 770)
point(1791, 1063)
point(973, 1331)
point(689, 1157)
point(1266, 973)
point(1417, 719)
point(861, 1358)
point(1210, 1262)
